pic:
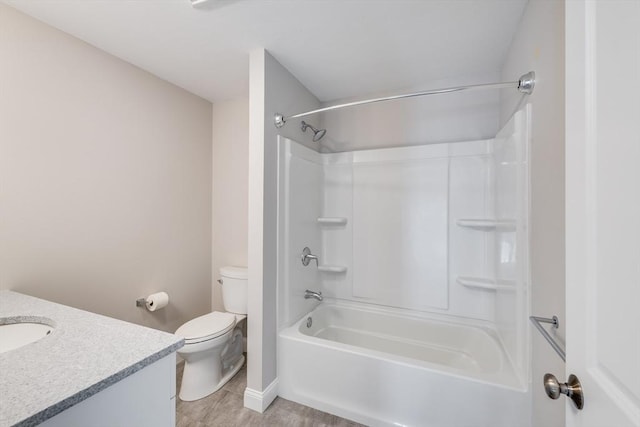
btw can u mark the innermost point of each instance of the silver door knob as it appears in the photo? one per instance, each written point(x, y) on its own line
point(572, 389)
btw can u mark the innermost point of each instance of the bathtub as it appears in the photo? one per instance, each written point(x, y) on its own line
point(385, 368)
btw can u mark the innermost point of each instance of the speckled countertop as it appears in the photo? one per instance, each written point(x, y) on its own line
point(85, 354)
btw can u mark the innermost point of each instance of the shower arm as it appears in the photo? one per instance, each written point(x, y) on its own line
point(524, 85)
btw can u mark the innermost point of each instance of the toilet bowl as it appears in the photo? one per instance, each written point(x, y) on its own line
point(213, 342)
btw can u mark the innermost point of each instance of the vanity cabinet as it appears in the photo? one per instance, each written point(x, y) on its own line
point(145, 398)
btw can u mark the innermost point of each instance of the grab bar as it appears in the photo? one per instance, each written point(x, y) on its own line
point(554, 321)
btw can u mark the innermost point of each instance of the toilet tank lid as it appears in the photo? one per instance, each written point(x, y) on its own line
point(234, 272)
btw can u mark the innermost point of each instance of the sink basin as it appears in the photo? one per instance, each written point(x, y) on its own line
point(16, 332)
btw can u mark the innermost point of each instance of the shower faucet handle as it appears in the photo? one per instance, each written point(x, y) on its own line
point(307, 256)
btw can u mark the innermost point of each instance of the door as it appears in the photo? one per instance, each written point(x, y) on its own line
point(603, 209)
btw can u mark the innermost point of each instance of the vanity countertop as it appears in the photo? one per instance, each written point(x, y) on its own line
point(85, 353)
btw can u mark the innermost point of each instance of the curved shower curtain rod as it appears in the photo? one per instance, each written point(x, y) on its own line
point(525, 85)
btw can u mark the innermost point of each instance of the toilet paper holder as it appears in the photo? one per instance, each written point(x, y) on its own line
point(154, 302)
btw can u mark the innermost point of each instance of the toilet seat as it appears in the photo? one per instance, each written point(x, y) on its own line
point(206, 327)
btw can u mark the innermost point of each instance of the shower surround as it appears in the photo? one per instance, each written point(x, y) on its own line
point(423, 263)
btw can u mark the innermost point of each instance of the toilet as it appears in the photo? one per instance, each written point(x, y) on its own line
point(213, 343)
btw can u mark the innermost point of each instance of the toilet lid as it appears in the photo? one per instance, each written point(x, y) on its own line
point(207, 327)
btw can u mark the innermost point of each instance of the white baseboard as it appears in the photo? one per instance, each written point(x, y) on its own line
point(259, 401)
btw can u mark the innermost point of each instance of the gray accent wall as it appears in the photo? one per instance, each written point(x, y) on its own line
point(273, 89)
point(539, 45)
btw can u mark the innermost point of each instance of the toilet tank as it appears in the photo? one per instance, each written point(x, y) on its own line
point(234, 289)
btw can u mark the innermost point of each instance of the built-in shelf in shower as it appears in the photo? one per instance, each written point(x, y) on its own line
point(332, 268)
point(486, 283)
point(488, 224)
point(332, 220)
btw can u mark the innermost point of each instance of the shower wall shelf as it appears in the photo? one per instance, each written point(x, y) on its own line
point(332, 268)
point(487, 224)
point(332, 220)
point(485, 283)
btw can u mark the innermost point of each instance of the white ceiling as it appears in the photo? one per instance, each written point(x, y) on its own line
point(336, 48)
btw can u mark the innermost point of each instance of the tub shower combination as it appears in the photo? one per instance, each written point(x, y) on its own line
point(403, 281)
point(382, 368)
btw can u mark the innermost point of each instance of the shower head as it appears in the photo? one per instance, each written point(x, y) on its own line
point(317, 133)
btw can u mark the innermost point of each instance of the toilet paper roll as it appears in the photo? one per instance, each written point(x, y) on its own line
point(157, 301)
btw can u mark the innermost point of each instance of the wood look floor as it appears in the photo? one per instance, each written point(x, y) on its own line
point(225, 408)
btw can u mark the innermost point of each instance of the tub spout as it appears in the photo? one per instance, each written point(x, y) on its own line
point(312, 294)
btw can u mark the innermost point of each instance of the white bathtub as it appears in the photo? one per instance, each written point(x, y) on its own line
point(383, 368)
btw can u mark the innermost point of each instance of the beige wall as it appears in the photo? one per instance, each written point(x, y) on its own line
point(230, 187)
point(539, 46)
point(105, 179)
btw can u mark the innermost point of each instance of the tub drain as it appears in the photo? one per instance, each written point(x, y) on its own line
point(309, 322)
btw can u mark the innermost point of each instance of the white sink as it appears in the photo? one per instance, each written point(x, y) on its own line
point(15, 333)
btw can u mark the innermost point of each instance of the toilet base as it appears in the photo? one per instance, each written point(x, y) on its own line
point(189, 395)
